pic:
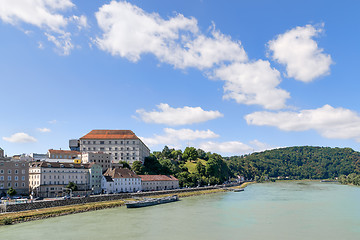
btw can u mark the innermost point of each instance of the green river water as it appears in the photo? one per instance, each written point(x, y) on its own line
point(283, 210)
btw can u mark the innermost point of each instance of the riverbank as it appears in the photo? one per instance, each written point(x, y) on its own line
point(31, 215)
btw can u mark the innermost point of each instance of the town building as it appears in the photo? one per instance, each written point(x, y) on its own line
point(74, 144)
point(100, 158)
point(95, 172)
point(117, 180)
point(39, 156)
point(158, 182)
point(122, 145)
point(49, 179)
point(64, 156)
point(2, 153)
point(15, 174)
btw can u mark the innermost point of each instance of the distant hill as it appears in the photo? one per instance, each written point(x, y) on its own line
point(304, 162)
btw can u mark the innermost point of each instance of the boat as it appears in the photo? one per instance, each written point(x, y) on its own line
point(151, 201)
point(238, 190)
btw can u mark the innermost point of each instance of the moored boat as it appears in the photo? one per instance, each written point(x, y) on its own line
point(151, 201)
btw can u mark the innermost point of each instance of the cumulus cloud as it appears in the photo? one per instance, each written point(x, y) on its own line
point(330, 122)
point(253, 83)
point(175, 136)
point(234, 147)
point(46, 15)
point(177, 116)
point(20, 138)
point(44, 130)
point(297, 49)
point(129, 32)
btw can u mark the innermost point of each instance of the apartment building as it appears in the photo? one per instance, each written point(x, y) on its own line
point(158, 182)
point(122, 145)
point(48, 179)
point(100, 158)
point(117, 180)
point(15, 174)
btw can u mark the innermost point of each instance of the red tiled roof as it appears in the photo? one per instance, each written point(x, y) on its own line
point(158, 178)
point(68, 152)
point(120, 173)
point(45, 164)
point(110, 134)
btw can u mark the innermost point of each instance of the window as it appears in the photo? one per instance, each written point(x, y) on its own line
point(133, 142)
point(121, 142)
point(102, 149)
point(16, 178)
point(127, 142)
point(1, 178)
point(23, 178)
point(23, 184)
point(1, 171)
point(101, 142)
point(109, 148)
point(23, 171)
point(9, 184)
point(16, 184)
point(1, 185)
point(89, 142)
point(94, 142)
point(109, 142)
point(9, 171)
point(115, 142)
point(9, 178)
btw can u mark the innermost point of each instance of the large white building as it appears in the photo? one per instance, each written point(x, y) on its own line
point(117, 180)
point(122, 145)
point(48, 179)
point(158, 182)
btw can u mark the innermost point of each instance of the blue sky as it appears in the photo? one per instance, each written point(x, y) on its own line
point(228, 77)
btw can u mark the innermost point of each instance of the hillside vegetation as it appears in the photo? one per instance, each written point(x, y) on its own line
point(195, 167)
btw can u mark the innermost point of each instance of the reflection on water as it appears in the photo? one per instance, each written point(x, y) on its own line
point(284, 210)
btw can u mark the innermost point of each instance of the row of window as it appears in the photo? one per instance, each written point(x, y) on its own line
point(9, 178)
point(108, 142)
point(16, 171)
point(110, 149)
point(9, 185)
point(16, 164)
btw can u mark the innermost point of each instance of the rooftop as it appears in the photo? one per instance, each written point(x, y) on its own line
point(45, 164)
point(68, 152)
point(110, 134)
point(120, 173)
point(158, 178)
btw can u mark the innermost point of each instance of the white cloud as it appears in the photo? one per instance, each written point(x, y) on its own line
point(46, 15)
point(330, 122)
point(44, 130)
point(253, 83)
point(296, 49)
point(129, 32)
point(177, 116)
point(174, 136)
point(63, 43)
point(53, 121)
point(234, 147)
point(20, 138)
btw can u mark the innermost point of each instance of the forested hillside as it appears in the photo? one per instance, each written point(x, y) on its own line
point(297, 163)
point(195, 167)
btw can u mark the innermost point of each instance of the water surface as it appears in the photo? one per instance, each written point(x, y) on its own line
point(285, 210)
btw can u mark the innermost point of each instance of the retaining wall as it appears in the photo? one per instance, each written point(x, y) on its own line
point(98, 198)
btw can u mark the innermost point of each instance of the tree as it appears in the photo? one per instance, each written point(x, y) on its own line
point(72, 186)
point(200, 168)
point(166, 153)
point(138, 168)
point(11, 192)
point(202, 154)
point(190, 153)
point(125, 164)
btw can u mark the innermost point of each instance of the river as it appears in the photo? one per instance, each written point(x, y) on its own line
point(282, 210)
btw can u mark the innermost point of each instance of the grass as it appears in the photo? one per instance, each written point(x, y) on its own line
point(24, 216)
point(192, 165)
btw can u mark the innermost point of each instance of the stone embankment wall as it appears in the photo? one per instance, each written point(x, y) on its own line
point(98, 198)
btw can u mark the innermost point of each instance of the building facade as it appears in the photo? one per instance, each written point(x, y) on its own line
point(122, 145)
point(15, 174)
point(100, 158)
point(158, 182)
point(95, 172)
point(48, 179)
point(62, 154)
point(118, 180)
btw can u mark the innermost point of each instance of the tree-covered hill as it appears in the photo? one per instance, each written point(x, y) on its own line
point(297, 163)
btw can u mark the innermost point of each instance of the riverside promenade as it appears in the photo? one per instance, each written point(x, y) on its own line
point(98, 198)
